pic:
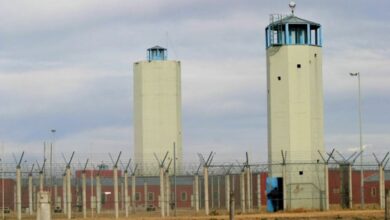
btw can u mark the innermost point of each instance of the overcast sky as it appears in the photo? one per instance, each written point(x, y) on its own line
point(67, 65)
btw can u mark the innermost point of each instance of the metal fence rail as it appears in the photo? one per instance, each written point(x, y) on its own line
point(114, 189)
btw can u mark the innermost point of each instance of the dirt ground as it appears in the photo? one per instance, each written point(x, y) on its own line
point(336, 214)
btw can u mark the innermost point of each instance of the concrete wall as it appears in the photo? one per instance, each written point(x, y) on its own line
point(157, 111)
point(295, 103)
point(295, 120)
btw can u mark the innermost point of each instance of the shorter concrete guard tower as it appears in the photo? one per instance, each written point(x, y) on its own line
point(157, 110)
point(295, 110)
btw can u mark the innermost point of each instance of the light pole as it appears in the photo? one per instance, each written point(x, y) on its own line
point(174, 177)
point(2, 179)
point(53, 131)
point(360, 140)
point(2, 184)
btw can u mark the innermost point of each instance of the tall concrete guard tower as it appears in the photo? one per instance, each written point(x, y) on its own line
point(157, 109)
point(295, 109)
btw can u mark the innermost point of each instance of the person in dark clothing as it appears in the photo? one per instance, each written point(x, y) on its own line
point(273, 195)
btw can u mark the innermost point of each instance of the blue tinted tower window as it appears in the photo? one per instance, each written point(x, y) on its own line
point(157, 53)
point(291, 30)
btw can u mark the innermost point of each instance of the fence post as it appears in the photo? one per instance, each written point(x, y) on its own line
point(206, 190)
point(227, 192)
point(64, 205)
point(326, 185)
point(30, 194)
point(212, 191)
point(162, 204)
point(55, 193)
point(92, 198)
point(387, 205)
point(350, 185)
point(196, 192)
point(219, 192)
point(242, 190)
point(284, 176)
point(84, 193)
point(259, 191)
point(34, 197)
point(116, 202)
point(231, 206)
point(98, 194)
point(133, 205)
point(248, 188)
point(122, 195)
point(167, 192)
point(68, 193)
point(126, 194)
point(18, 194)
point(381, 187)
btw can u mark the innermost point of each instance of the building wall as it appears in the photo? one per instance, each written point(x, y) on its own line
point(9, 193)
point(371, 191)
point(371, 188)
point(295, 103)
point(263, 194)
point(102, 173)
point(153, 200)
point(157, 111)
point(295, 121)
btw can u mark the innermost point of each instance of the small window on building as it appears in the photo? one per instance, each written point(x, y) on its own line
point(315, 55)
point(298, 65)
point(150, 196)
point(279, 78)
point(373, 191)
point(183, 196)
point(301, 172)
point(137, 196)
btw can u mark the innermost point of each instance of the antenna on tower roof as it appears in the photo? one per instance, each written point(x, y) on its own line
point(292, 6)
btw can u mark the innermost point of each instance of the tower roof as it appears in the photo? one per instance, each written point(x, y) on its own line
point(156, 53)
point(292, 19)
point(157, 48)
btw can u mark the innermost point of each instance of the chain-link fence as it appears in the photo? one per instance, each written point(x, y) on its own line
point(100, 190)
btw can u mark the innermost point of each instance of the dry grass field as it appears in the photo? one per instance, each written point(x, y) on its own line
point(187, 215)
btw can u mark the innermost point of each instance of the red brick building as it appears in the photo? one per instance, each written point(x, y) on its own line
point(148, 190)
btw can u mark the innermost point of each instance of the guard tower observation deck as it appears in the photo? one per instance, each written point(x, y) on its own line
point(291, 30)
point(157, 53)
